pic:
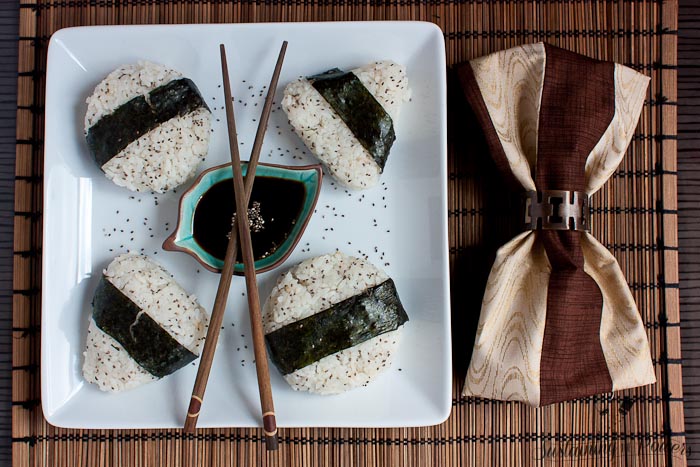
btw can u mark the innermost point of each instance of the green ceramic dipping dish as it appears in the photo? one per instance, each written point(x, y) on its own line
point(183, 238)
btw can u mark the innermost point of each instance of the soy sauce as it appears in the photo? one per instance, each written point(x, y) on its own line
point(281, 202)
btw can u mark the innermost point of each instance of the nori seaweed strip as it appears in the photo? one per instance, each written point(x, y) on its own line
point(146, 342)
point(375, 311)
point(360, 111)
point(133, 119)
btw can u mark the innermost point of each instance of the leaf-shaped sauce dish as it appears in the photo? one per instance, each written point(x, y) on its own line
point(281, 204)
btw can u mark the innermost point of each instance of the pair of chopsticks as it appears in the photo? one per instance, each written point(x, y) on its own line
point(240, 231)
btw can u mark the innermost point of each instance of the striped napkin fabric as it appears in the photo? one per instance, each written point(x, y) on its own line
point(558, 321)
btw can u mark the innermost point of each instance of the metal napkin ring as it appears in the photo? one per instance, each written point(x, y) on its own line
point(557, 210)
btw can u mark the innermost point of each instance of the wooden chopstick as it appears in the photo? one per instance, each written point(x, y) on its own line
point(219, 308)
point(263, 373)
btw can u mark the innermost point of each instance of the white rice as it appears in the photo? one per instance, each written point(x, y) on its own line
point(329, 138)
point(313, 286)
point(123, 84)
point(166, 156)
point(148, 285)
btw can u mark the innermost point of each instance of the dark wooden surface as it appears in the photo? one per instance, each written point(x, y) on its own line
point(688, 197)
point(9, 17)
point(689, 214)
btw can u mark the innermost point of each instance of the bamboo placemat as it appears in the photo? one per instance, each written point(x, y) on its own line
point(635, 215)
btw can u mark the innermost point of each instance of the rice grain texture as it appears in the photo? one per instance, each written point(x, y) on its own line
point(107, 364)
point(313, 286)
point(329, 138)
point(163, 158)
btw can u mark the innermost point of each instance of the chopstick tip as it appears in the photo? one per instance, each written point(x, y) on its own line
point(272, 442)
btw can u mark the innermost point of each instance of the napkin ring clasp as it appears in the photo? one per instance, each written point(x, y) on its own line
point(557, 210)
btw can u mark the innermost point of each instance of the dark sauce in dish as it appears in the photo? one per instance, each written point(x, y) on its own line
point(280, 204)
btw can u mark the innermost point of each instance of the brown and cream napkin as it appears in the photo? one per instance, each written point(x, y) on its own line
point(558, 321)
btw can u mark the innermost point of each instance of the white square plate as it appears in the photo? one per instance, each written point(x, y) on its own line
point(88, 220)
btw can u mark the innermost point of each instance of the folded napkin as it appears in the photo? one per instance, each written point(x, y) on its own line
point(558, 321)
